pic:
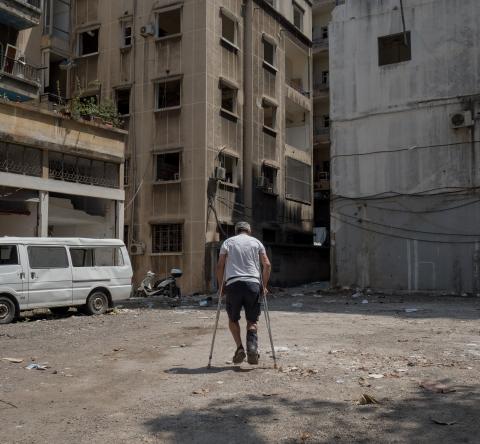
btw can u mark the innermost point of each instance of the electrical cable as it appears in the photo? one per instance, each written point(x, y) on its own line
point(393, 227)
point(397, 236)
point(397, 150)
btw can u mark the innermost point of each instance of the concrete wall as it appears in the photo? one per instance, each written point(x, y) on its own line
point(405, 212)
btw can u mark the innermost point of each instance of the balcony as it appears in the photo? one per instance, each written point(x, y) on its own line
point(318, 4)
point(321, 134)
point(321, 90)
point(19, 81)
point(20, 14)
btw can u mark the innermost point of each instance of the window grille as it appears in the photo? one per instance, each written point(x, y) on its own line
point(19, 159)
point(167, 238)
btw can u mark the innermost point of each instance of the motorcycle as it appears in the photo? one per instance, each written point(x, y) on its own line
point(166, 287)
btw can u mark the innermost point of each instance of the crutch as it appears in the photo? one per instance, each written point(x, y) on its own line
point(269, 328)
point(219, 306)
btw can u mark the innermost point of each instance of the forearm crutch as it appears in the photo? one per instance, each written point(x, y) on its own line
point(269, 328)
point(219, 306)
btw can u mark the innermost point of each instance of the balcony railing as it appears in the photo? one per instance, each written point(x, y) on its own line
point(297, 85)
point(320, 43)
point(20, 70)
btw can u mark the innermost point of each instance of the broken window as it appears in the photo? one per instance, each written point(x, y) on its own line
point(298, 178)
point(167, 238)
point(268, 179)
point(326, 121)
point(228, 29)
point(88, 42)
point(298, 16)
point(229, 98)
point(230, 163)
point(169, 94)
point(325, 77)
point(268, 52)
point(122, 98)
point(167, 167)
point(394, 48)
point(169, 23)
point(126, 34)
point(269, 115)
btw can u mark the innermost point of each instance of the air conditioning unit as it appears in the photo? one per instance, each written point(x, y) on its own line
point(461, 119)
point(136, 249)
point(220, 173)
point(147, 30)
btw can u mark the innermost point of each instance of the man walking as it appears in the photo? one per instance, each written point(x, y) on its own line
point(239, 265)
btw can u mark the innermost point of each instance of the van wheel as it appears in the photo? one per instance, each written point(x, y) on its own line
point(97, 303)
point(59, 311)
point(7, 310)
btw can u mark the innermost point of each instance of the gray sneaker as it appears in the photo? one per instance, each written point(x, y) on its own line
point(252, 348)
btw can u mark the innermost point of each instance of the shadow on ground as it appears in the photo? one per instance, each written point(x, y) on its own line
point(278, 418)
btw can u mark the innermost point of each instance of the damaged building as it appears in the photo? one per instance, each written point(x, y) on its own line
point(216, 96)
point(405, 106)
point(58, 176)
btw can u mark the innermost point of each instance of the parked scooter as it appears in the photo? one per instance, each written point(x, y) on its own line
point(166, 287)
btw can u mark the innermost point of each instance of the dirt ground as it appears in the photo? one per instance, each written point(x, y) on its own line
point(139, 375)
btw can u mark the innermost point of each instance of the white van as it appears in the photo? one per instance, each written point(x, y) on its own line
point(58, 273)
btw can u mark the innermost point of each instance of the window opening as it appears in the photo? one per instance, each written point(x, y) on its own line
point(169, 23)
point(392, 49)
point(298, 16)
point(269, 115)
point(325, 77)
point(122, 97)
point(167, 167)
point(88, 42)
point(324, 30)
point(229, 98)
point(228, 29)
point(169, 94)
point(269, 235)
point(230, 164)
point(268, 52)
point(167, 238)
point(126, 172)
point(126, 34)
point(268, 180)
point(326, 121)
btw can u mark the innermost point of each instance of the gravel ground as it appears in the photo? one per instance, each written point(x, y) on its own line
point(139, 375)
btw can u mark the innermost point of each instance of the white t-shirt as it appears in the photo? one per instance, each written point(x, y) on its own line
point(243, 260)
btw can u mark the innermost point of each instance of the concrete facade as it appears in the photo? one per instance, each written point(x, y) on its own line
point(58, 176)
point(405, 182)
point(227, 154)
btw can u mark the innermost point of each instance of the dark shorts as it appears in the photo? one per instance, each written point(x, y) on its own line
point(243, 294)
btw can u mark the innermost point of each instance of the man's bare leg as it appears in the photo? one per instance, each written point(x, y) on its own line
point(234, 327)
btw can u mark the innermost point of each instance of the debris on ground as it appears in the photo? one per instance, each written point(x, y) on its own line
point(363, 382)
point(366, 399)
point(298, 371)
point(436, 387)
point(305, 436)
point(13, 360)
point(202, 391)
point(37, 367)
point(411, 310)
point(442, 422)
point(297, 305)
point(206, 302)
point(376, 375)
point(365, 301)
point(281, 349)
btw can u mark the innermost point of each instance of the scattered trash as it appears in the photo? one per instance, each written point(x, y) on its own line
point(118, 349)
point(357, 295)
point(365, 301)
point(280, 349)
point(305, 436)
point(367, 399)
point(339, 381)
point(442, 422)
point(411, 310)
point(334, 352)
point(436, 387)
point(401, 370)
point(183, 345)
point(267, 395)
point(205, 302)
point(36, 367)
point(13, 360)
point(202, 391)
point(220, 382)
point(376, 376)
point(297, 305)
point(363, 382)
point(299, 371)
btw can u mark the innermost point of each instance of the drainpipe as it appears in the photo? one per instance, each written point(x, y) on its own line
point(248, 103)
